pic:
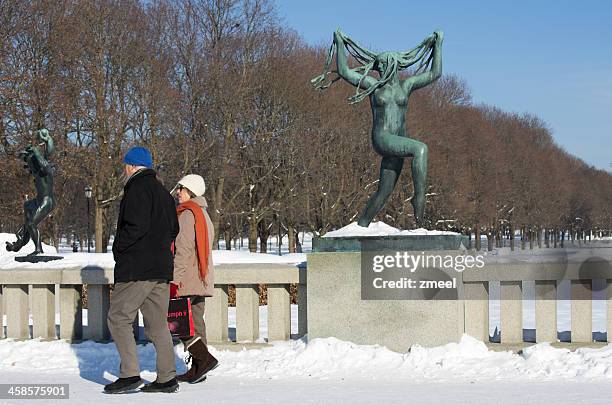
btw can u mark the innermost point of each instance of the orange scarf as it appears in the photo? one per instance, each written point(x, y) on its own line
point(201, 231)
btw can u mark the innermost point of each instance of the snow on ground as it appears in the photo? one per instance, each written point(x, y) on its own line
point(330, 371)
point(379, 229)
point(304, 238)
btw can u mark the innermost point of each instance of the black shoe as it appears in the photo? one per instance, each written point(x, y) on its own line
point(168, 386)
point(122, 385)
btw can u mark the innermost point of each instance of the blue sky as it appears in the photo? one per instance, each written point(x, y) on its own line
point(549, 58)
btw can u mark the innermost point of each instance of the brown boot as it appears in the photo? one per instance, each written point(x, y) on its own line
point(202, 362)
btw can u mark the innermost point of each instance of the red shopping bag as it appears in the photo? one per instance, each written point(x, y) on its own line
point(180, 318)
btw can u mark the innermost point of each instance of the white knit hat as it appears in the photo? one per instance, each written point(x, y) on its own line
point(194, 183)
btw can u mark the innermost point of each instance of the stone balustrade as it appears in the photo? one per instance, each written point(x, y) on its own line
point(335, 304)
point(18, 284)
point(581, 267)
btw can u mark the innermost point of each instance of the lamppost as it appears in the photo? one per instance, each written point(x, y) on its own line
point(88, 191)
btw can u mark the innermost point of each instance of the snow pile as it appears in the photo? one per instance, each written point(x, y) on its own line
point(423, 231)
point(328, 358)
point(353, 229)
point(379, 229)
point(468, 359)
point(552, 362)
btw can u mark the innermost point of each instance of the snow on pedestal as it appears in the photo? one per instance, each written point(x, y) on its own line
point(379, 229)
point(353, 229)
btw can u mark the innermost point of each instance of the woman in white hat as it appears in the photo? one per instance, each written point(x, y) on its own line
point(193, 270)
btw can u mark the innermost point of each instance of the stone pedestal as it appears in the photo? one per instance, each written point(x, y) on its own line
point(336, 308)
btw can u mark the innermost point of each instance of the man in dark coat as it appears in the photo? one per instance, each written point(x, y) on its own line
point(146, 228)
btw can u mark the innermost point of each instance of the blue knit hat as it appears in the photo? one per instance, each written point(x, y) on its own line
point(139, 156)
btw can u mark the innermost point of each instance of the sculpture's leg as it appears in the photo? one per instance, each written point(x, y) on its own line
point(23, 234)
point(23, 237)
point(35, 235)
point(419, 177)
point(390, 169)
point(41, 213)
point(392, 145)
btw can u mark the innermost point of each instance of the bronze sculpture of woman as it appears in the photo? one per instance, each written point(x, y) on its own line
point(389, 102)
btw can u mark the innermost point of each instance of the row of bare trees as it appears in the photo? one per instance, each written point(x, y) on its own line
point(222, 88)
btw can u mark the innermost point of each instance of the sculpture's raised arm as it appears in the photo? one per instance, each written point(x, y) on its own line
point(34, 158)
point(358, 77)
point(43, 136)
point(425, 78)
point(344, 71)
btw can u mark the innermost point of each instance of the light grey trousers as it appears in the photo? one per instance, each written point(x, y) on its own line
point(151, 297)
point(199, 327)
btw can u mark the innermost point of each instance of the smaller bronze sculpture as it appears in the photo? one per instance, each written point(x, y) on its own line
point(37, 209)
